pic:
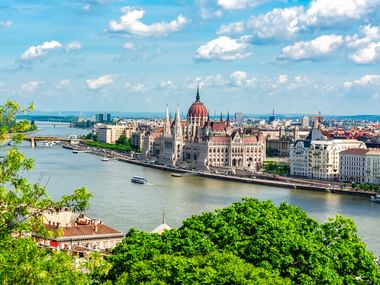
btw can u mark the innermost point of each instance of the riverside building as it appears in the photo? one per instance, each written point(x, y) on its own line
point(199, 143)
point(360, 165)
point(317, 157)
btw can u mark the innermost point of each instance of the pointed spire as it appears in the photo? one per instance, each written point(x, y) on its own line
point(228, 116)
point(177, 124)
point(167, 122)
point(198, 98)
point(221, 116)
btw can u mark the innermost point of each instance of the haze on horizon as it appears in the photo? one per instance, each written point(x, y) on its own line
point(247, 55)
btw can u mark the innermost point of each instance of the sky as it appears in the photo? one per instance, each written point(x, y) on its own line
point(247, 56)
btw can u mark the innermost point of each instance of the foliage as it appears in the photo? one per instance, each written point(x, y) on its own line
point(115, 147)
point(366, 187)
point(22, 262)
point(21, 207)
point(278, 168)
point(277, 240)
point(84, 124)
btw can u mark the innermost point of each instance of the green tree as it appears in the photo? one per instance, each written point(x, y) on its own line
point(278, 240)
point(21, 206)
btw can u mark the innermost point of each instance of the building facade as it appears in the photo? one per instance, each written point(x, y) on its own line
point(199, 143)
point(360, 166)
point(111, 133)
point(318, 158)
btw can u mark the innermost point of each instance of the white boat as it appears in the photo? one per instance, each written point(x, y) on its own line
point(176, 174)
point(105, 158)
point(139, 180)
point(375, 198)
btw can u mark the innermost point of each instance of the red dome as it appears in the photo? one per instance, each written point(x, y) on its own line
point(197, 109)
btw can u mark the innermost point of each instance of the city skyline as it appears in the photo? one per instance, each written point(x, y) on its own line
point(247, 55)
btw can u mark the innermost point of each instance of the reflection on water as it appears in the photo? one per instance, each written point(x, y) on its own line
point(123, 204)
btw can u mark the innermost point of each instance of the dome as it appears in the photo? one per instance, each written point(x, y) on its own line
point(197, 109)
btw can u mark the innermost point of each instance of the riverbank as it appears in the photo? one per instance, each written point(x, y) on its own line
point(283, 182)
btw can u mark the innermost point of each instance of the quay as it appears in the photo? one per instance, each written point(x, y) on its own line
point(283, 182)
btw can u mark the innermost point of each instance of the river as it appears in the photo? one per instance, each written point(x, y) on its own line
point(124, 205)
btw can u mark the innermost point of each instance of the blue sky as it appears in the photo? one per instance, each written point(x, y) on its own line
point(247, 55)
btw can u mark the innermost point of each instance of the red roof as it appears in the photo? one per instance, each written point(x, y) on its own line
point(217, 126)
point(220, 139)
point(250, 139)
point(197, 109)
point(84, 230)
point(355, 151)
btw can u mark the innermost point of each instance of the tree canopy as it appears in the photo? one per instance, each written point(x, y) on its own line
point(282, 243)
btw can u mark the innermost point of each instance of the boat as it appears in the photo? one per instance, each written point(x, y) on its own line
point(105, 158)
point(375, 198)
point(176, 174)
point(139, 180)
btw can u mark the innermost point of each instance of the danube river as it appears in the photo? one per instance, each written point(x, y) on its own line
point(124, 205)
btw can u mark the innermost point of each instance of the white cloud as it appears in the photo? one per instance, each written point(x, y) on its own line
point(129, 45)
point(366, 80)
point(100, 82)
point(278, 23)
point(130, 23)
point(63, 84)
point(232, 28)
point(239, 4)
point(40, 50)
point(366, 45)
point(73, 46)
point(283, 78)
point(6, 24)
point(206, 11)
point(327, 12)
point(284, 23)
point(314, 49)
point(238, 77)
point(139, 87)
point(30, 86)
point(167, 84)
point(86, 7)
point(223, 48)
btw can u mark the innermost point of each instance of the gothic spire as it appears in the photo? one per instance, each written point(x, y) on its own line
point(198, 98)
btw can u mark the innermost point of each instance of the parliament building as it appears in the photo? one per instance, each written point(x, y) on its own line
point(204, 144)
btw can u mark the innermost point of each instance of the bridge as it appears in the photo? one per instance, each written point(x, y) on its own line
point(33, 140)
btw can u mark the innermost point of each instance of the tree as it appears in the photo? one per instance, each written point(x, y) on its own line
point(122, 140)
point(280, 241)
point(21, 206)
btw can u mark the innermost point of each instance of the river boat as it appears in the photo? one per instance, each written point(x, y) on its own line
point(375, 198)
point(105, 158)
point(176, 174)
point(139, 180)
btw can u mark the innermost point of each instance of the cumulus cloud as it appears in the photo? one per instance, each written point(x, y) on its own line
point(40, 50)
point(63, 84)
point(223, 48)
point(232, 28)
point(6, 24)
point(239, 4)
point(314, 49)
point(30, 86)
point(366, 80)
point(327, 12)
point(278, 23)
point(100, 82)
point(130, 23)
point(206, 10)
point(284, 23)
point(73, 46)
point(366, 45)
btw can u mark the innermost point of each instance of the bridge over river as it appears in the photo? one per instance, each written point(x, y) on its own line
point(34, 139)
